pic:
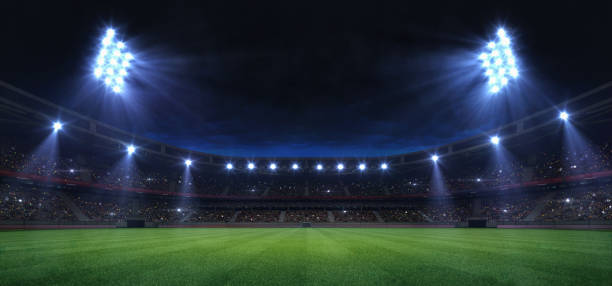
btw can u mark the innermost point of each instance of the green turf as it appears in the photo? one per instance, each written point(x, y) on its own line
point(296, 256)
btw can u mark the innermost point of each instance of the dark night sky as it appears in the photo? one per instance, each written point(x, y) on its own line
point(259, 78)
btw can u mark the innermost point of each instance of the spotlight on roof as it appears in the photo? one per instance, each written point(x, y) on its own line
point(362, 167)
point(273, 166)
point(229, 166)
point(384, 166)
point(57, 126)
point(435, 158)
point(495, 140)
point(499, 62)
point(563, 116)
point(295, 166)
point(112, 62)
point(188, 162)
point(340, 167)
point(131, 149)
point(319, 167)
point(250, 166)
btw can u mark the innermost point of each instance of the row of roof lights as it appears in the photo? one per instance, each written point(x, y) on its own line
point(296, 166)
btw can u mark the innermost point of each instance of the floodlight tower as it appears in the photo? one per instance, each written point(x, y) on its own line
point(499, 62)
point(112, 62)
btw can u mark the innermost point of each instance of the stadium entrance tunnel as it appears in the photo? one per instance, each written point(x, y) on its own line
point(130, 223)
point(477, 222)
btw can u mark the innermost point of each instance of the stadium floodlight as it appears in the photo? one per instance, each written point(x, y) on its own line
point(495, 140)
point(435, 158)
point(499, 62)
point(273, 166)
point(295, 166)
point(340, 167)
point(112, 61)
point(229, 166)
point(71, 171)
point(384, 166)
point(319, 167)
point(179, 210)
point(250, 166)
point(563, 116)
point(478, 180)
point(188, 162)
point(57, 126)
point(362, 167)
point(567, 200)
point(131, 149)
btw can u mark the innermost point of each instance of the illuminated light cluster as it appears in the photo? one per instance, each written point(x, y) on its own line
point(340, 167)
point(319, 167)
point(112, 62)
point(188, 162)
point(251, 166)
point(57, 126)
point(495, 140)
point(229, 166)
point(362, 167)
point(563, 116)
point(499, 62)
point(131, 149)
point(273, 166)
point(295, 166)
point(435, 158)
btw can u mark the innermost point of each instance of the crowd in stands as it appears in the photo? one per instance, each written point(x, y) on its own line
point(354, 216)
point(306, 216)
point(20, 203)
point(103, 209)
point(514, 209)
point(579, 205)
point(449, 212)
point(258, 216)
point(23, 202)
point(401, 215)
point(211, 215)
point(467, 176)
point(325, 188)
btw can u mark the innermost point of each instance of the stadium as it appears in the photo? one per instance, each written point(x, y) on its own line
point(95, 192)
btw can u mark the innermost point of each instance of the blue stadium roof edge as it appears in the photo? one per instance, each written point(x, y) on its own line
point(21, 100)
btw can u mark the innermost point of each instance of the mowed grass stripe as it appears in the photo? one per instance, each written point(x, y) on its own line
point(305, 257)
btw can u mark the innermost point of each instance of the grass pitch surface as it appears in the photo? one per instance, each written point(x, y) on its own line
point(296, 256)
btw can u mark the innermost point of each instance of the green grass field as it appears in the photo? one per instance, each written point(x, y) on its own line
point(297, 256)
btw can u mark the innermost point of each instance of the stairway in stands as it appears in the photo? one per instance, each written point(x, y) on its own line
point(235, 216)
point(330, 217)
point(281, 218)
point(378, 217)
point(427, 219)
point(73, 207)
point(539, 207)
